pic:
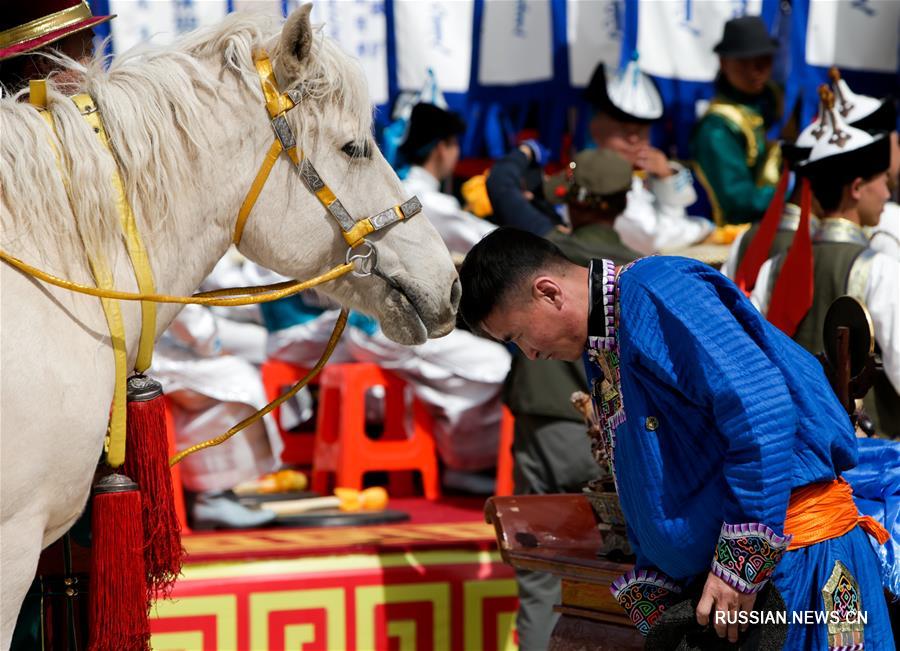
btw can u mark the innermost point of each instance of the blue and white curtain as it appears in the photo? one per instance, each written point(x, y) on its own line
point(502, 62)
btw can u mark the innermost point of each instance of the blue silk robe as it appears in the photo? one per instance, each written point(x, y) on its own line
point(712, 417)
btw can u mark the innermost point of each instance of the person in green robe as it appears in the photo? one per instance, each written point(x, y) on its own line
point(733, 161)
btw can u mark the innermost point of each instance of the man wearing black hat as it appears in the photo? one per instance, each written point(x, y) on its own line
point(734, 163)
point(626, 103)
point(432, 149)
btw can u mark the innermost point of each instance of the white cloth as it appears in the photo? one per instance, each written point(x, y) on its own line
point(886, 236)
point(655, 216)
point(883, 302)
point(459, 229)
point(210, 391)
point(459, 378)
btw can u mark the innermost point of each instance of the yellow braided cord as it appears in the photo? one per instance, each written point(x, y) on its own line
point(329, 348)
point(255, 294)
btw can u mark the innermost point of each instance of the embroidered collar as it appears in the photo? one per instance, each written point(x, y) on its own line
point(601, 313)
point(838, 229)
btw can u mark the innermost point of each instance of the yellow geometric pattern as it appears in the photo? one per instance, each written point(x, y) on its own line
point(368, 597)
point(254, 605)
point(331, 600)
point(474, 595)
point(221, 607)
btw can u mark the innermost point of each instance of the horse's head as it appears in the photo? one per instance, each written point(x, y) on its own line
point(414, 290)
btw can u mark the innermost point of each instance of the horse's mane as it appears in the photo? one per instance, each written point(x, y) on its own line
point(148, 97)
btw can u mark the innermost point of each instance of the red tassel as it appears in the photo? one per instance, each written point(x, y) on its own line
point(758, 250)
point(118, 592)
point(792, 296)
point(147, 462)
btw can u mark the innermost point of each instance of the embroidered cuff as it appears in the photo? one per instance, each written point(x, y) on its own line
point(746, 555)
point(644, 594)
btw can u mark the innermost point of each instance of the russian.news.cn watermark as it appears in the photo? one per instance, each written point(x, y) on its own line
point(803, 617)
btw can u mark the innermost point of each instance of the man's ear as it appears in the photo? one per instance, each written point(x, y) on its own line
point(855, 188)
point(294, 46)
point(544, 288)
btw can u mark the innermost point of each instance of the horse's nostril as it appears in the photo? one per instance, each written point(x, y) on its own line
point(455, 293)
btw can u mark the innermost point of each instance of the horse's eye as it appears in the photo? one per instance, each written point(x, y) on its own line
point(357, 150)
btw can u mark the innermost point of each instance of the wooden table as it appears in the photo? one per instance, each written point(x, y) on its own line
point(558, 534)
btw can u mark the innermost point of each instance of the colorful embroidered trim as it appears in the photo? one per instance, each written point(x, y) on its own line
point(603, 353)
point(644, 594)
point(843, 603)
point(603, 282)
point(607, 401)
point(746, 555)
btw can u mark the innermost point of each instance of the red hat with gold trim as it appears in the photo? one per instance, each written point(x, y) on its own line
point(28, 26)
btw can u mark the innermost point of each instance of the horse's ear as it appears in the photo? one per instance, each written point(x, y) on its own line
point(294, 46)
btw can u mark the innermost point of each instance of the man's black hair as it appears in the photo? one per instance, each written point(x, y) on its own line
point(827, 193)
point(499, 263)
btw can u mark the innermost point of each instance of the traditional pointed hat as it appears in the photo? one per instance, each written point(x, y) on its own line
point(861, 111)
point(629, 94)
point(841, 154)
point(798, 151)
point(27, 26)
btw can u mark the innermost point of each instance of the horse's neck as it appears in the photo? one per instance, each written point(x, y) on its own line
point(201, 231)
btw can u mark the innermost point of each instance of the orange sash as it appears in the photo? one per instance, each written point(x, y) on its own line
point(826, 510)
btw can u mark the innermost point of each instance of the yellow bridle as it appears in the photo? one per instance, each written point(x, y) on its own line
point(354, 232)
point(278, 104)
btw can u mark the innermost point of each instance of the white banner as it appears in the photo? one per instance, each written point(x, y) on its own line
point(270, 7)
point(360, 28)
point(158, 21)
point(516, 42)
point(858, 34)
point(434, 34)
point(594, 34)
point(676, 38)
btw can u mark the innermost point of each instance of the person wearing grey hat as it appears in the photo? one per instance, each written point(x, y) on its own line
point(734, 163)
point(551, 453)
point(626, 103)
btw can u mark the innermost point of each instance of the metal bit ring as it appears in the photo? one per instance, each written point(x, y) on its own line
point(365, 262)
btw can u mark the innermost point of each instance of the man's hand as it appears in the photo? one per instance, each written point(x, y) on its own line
point(652, 160)
point(719, 596)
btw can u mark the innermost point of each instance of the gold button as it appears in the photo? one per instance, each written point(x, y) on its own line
point(652, 423)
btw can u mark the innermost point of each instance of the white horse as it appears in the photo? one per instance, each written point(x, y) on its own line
point(189, 128)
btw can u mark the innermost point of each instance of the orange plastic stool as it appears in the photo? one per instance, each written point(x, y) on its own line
point(344, 450)
point(277, 376)
point(503, 484)
point(177, 487)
